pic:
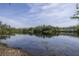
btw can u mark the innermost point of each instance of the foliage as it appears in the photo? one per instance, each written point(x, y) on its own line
point(6, 29)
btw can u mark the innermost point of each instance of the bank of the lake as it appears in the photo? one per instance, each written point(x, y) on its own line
point(12, 52)
point(7, 51)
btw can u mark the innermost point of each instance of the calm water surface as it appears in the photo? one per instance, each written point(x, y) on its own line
point(55, 45)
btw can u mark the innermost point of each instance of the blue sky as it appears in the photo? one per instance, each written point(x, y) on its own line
point(34, 14)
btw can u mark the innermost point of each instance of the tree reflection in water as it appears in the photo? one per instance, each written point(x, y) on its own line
point(54, 34)
point(4, 36)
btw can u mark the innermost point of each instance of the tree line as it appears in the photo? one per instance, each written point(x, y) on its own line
point(43, 29)
point(38, 30)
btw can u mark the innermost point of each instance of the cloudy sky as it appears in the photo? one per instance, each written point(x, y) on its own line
point(28, 15)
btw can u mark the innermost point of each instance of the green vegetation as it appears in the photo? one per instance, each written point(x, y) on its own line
point(41, 30)
point(76, 16)
point(4, 29)
point(77, 27)
point(47, 30)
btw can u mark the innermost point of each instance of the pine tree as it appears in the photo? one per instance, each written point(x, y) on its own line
point(76, 15)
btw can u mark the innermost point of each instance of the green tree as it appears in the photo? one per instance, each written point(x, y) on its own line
point(76, 15)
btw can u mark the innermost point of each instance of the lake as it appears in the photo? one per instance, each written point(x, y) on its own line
point(58, 45)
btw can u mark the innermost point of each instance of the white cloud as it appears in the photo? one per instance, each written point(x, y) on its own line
point(11, 22)
point(52, 14)
point(45, 13)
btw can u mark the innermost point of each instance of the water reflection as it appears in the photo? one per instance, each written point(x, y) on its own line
point(43, 35)
point(59, 44)
point(4, 36)
point(3, 45)
point(74, 34)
